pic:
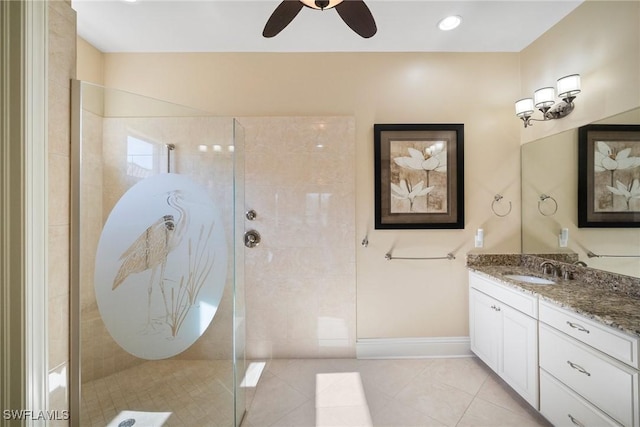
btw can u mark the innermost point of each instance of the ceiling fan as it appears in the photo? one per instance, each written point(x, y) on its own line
point(354, 13)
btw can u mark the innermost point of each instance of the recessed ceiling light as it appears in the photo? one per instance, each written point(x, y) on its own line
point(449, 23)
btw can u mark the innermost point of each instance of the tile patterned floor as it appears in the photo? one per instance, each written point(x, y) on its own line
point(195, 392)
point(313, 393)
point(399, 393)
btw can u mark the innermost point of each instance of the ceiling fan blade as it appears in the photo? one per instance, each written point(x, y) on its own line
point(281, 17)
point(358, 17)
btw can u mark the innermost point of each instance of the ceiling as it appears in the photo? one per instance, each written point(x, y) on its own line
point(236, 26)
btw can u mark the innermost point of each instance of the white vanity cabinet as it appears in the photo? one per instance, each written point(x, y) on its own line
point(588, 371)
point(504, 333)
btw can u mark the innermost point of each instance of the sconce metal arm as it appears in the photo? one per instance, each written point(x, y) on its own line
point(560, 110)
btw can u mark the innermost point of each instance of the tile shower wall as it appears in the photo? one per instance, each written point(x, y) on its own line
point(106, 178)
point(61, 69)
point(301, 280)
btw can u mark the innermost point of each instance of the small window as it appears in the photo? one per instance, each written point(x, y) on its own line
point(142, 157)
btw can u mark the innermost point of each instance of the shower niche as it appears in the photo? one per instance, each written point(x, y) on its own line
point(157, 267)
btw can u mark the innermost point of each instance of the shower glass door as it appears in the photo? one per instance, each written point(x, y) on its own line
point(157, 276)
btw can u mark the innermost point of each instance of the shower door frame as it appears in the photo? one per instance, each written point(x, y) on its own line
point(74, 250)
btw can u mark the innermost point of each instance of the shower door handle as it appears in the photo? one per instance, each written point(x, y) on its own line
point(251, 238)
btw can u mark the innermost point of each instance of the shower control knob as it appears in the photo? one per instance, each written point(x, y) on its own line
point(251, 215)
point(251, 239)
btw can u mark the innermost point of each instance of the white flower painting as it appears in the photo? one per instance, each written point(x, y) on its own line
point(616, 176)
point(405, 191)
point(628, 193)
point(418, 174)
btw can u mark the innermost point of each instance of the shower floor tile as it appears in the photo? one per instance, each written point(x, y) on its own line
point(162, 393)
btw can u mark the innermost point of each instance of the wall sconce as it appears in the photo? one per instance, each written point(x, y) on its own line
point(544, 98)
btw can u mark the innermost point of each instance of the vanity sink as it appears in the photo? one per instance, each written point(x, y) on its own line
point(532, 280)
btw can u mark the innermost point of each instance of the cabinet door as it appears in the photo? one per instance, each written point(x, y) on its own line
point(485, 328)
point(519, 358)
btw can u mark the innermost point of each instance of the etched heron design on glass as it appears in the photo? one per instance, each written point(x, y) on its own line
point(150, 250)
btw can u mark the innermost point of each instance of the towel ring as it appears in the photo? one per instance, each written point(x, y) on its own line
point(544, 198)
point(496, 199)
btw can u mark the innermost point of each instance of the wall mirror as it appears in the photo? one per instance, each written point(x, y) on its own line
point(550, 203)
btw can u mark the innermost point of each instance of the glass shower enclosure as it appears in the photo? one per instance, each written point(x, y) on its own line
point(157, 301)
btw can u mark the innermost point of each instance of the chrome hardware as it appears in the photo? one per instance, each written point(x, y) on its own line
point(578, 368)
point(544, 198)
point(576, 422)
point(495, 308)
point(578, 327)
point(566, 273)
point(549, 267)
point(251, 239)
point(592, 255)
point(449, 256)
point(496, 199)
point(251, 214)
point(170, 148)
point(580, 263)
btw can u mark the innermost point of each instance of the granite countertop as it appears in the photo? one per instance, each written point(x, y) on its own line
point(605, 304)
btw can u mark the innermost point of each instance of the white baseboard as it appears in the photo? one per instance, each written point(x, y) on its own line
point(412, 348)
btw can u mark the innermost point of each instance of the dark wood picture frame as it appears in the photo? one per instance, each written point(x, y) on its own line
point(419, 176)
point(609, 176)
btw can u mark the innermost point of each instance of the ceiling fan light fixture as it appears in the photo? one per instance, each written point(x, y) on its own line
point(354, 13)
point(321, 4)
point(449, 23)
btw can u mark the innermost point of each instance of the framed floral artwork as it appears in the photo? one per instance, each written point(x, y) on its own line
point(609, 176)
point(419, 176)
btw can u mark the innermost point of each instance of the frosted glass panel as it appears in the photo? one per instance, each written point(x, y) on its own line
point(161, 266)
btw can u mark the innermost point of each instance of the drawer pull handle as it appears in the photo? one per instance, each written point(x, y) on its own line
point(578, 327)
point(578, 368)
point(495, 308)
point(576, 422)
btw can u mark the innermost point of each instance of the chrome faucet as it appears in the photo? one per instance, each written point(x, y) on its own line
point(567, 274)
point(580, 263)
point(548, 267)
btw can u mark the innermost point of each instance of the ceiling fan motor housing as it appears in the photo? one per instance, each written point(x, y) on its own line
point(321, 4)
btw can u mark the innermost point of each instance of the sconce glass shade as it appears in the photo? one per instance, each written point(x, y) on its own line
point(544, 97)
point(330, 3)
point(569, 86)
point(524, 107)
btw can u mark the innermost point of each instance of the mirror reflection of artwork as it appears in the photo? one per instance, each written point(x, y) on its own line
point(418, 176)
point(161, 266)
point(609, 175)
point(617, 176)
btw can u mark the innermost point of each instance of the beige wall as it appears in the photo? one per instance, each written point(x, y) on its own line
point(397, 298)
point(600, 40)
point(90, 63)
point(415, 298)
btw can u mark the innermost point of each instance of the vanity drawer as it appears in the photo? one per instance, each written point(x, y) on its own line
point(608, 340)
point(525, 303)
point(604, 382)
point(563, 407)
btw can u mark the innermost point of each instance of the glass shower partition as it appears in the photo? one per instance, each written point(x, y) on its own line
point(157, 322)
